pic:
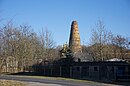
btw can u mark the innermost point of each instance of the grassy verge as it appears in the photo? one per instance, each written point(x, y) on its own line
point(11, 83)
point(53, 78)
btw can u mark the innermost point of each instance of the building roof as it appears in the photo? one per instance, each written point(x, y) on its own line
point(115, 59)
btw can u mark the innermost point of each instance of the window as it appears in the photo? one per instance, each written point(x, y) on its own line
point(95, 68)
point(78, 68)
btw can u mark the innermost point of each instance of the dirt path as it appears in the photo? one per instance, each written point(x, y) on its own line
point(39, 84)
point(21, 83)
point(44, 81)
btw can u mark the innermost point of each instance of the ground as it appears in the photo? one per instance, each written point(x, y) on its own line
point(20, 83)
point(54, 81)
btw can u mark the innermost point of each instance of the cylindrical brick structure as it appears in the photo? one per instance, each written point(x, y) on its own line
point(74, 40)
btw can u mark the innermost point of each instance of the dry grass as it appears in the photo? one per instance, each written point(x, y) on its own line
point(11, 83)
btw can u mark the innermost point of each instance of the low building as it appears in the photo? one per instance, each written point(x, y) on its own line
point(103, 70)
point(109, 70)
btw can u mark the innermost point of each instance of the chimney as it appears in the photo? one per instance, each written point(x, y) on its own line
point(74, 40)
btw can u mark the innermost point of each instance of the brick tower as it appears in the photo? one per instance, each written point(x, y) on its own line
point(74, 40)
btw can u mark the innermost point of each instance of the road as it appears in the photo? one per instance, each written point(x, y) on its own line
point(52, 80)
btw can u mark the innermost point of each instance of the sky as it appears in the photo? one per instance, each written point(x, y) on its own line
point(57, 16)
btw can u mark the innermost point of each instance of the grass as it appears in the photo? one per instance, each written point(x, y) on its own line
point(11, 83)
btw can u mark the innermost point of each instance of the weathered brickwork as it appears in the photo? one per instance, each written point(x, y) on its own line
point(74, 40)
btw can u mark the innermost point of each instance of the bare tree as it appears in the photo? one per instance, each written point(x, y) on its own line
point(22, 46)
point(47, 45)
point(120, 44)
point(100, 38)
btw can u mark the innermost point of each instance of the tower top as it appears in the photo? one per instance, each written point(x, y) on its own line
point(74, 22)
